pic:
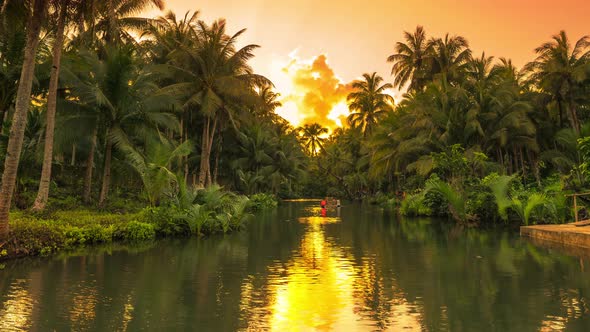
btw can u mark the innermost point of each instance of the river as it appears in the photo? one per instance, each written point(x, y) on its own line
point(356, 269)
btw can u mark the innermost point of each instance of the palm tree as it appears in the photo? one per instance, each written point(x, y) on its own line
point(368, 102)
point(450, 58)
point(115, 22)
point(558, 70)
point(122, 9)
point(127, 99)
point(167, 35)
point(214, 77)
point(43, 192)
point(23, 100)
point(311, 137)
point(267, 102)
point(411, 60)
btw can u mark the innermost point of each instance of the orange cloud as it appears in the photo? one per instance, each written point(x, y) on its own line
point(315, 93)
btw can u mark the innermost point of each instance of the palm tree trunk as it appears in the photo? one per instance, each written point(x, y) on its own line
point(208, 180)
point(209, 148)
point(205, 171)
point(111, 17)
point(17, 130)
point(106, 176)
point(73, 160)
point(204, 156)
point(43, 193)
point(217, 153)
point(89, 168)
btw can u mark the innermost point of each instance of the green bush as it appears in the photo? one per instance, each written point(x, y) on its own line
point(135, 231)
point(90, 234)
point(208, 211)
point(167, 221)
point(262, 201)
point(414, 206)
point(31, 236)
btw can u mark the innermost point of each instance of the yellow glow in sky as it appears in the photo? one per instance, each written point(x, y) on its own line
point(358, 36)
point(310, 91)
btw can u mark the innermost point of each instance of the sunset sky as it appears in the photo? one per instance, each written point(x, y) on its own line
point(311, 49)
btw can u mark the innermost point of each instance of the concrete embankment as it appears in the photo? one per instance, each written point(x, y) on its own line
point(566, 234)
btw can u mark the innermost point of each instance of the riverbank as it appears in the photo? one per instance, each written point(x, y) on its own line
point(401, 274)
point(45, 234)
point(32, 235)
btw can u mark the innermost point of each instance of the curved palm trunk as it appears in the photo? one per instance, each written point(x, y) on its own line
point(43, 193)
point(106, 177)
point(17, 130)
point(89, 168)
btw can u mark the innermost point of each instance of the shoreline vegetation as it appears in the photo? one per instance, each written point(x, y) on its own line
point(164, 123)
point(206, 212)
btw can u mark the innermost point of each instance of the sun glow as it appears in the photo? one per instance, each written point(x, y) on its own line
point(310, 91)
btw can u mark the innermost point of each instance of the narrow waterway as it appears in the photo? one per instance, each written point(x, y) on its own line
point(355, 269)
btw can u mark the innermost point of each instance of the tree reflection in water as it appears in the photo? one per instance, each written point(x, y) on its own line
point(296, 270)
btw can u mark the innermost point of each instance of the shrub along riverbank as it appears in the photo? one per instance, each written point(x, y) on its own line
point(489, 200)
point(191, 213)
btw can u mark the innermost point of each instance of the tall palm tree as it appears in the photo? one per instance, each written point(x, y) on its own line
point(368, 102)
point(100, 23)
point(127, 98)
point(43, 193)
point(214, 77)
point(411, 60)
point(78, 7)
point(558, 70)
point(312, 138)
point(23, 100)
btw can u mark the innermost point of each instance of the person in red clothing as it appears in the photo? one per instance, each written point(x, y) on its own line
point(323, 203)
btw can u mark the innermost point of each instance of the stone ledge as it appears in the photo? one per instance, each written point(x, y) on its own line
point(566, 234)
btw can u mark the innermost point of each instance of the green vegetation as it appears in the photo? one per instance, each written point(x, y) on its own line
point(117, 123)
point(207, 211)
point(464, 121)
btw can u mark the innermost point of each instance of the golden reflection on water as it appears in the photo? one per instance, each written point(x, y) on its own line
point(17, 310)
point(83, 305)
point(320, 288)
point(316, 291)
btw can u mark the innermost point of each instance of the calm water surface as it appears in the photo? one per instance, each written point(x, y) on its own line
point(357, 269)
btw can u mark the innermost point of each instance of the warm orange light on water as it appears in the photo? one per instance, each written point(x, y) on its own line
point(320, 288)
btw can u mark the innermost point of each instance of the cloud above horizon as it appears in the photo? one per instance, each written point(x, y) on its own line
point(313, 93)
